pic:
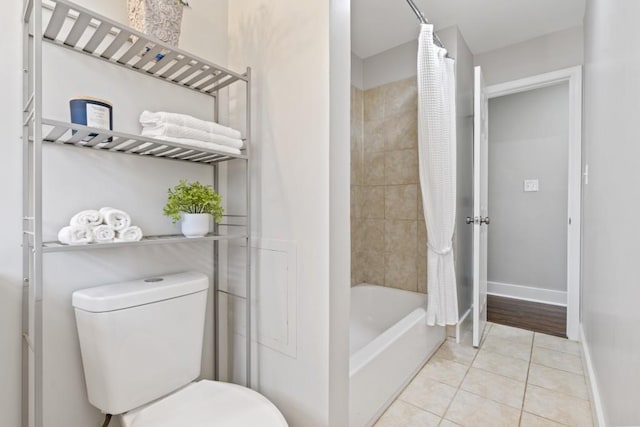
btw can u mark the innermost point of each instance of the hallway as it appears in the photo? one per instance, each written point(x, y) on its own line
point(517, 378)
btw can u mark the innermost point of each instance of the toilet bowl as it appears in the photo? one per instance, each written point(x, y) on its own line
point(206, 404)
point(141, 344)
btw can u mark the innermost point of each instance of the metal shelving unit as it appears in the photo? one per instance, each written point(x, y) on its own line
point(80, 30)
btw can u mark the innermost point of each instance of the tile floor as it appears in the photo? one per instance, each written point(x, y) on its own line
point(516, 378)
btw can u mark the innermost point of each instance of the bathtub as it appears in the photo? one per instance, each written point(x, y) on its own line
point(389, 343)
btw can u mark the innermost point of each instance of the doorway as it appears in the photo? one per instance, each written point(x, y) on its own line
point(534, 196)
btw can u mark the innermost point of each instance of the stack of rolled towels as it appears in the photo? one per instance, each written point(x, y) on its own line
point(190, 131)
point(106, 225)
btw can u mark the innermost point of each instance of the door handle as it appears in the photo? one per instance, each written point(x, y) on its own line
point(478, 220)
point(486, 220)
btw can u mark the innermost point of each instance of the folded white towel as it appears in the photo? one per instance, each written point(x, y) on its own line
point(195, 144)
point(88, 217)
point(148, 118)
point(129, 234)
point(175, 131)
point(75, 235)
point(104, 234)
point(117, 219)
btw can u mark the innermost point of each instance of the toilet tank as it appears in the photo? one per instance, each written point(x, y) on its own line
point(140, 340)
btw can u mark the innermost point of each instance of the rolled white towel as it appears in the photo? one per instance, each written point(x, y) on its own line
point(117, 219)
point(88, 217)
point(75, 235)
point(148, 118)
point(195, 144)
point(103, 234)
point(175, 131)
point(129, 234)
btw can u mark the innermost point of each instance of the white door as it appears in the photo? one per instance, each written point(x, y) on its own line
point(480, 218)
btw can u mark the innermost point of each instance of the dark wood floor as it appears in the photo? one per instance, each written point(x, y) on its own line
point(533, 316)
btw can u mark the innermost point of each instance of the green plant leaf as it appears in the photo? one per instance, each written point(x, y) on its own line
point(193, 198)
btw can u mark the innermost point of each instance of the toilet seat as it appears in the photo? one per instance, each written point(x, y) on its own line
point(206, 404)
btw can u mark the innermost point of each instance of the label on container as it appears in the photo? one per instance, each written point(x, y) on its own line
point(98, 117)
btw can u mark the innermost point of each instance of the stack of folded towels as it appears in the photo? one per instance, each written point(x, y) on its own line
point(187, 130)
point(106, 225)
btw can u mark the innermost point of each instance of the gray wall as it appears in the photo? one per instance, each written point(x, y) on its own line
point(528, 139)
point(550, 52)
point(611, 276)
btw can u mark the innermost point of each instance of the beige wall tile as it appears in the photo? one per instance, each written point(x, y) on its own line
point(401, 131)
point(428, 394)
point(400, 237)
point(401, 167)
point(401, 201)
point(467, 409)
point(400, 271)
point(371, 267)
point(373, 168)
point(421, 260)
point(401, 96)
point(558, 407)
point(422, 238)
point(372, 235)
point(374, 103)
point(495, 387)
point(356, 204)
point(403, 414)
point(373, 135)
point(371, 199)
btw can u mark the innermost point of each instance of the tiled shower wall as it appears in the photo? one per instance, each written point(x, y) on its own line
point(388, 233)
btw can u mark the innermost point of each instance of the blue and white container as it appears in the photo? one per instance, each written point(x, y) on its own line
point(92, 112)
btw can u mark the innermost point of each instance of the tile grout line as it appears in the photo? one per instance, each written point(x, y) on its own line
point(526, 382)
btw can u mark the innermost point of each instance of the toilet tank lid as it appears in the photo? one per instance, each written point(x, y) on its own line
point(124, 295)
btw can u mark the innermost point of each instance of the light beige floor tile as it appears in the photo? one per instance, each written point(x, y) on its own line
point(445, 371)
point(501, 365)
point(556, 359)
point(558, 407)
point(558, 380)
point(530, 420)
point(447, 423)
point(401, 414)
point(470, 410)
point(495, 387)
point(556, 343)
point(460, 353)
point(428, 394)
point(520, 336)
point(507, 347)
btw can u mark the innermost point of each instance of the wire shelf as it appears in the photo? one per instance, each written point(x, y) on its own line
point(109, 40)
point(101, 139)
point(146, 241)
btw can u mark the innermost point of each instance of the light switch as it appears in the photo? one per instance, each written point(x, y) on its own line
point(531, 185)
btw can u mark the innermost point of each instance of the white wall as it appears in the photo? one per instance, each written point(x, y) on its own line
point(357, 71)
point(288, 45)
point(550, 52)
point(611, 293)
point(107, 179)
point(528, 139)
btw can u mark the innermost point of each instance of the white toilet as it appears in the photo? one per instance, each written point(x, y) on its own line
point(141, 344)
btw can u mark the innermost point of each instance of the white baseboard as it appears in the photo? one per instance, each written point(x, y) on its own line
point(598, 409)
point(527, 293)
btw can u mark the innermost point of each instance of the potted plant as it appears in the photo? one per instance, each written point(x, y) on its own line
point(194, 203)
point(161, 19)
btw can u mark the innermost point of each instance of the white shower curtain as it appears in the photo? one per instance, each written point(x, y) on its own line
point(437, 163)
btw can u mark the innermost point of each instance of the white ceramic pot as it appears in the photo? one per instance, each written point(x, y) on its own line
point(195, 225)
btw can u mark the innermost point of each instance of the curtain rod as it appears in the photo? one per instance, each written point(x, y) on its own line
point(424, 20)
